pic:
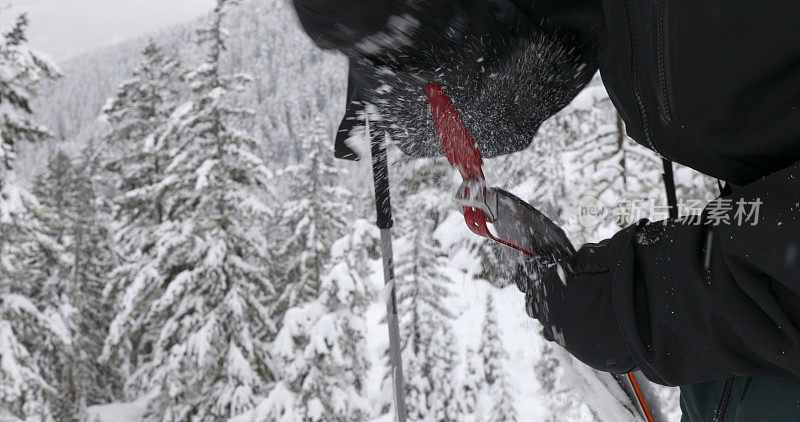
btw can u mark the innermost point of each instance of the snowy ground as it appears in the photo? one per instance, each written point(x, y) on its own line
point(119, 412)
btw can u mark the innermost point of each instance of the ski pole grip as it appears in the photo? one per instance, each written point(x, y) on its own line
point(380, 172)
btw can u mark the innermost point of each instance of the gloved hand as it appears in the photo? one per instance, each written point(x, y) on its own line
point(572, 299)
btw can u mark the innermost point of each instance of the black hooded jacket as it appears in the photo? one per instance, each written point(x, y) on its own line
point(714, 85)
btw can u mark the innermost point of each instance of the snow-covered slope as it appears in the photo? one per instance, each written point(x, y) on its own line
point(294, 81)
point(119, 412)
point(102, 22)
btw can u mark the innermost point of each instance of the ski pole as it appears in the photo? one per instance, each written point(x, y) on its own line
point(383, 206)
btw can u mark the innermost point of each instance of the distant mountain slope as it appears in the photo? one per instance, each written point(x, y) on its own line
point(294, 81)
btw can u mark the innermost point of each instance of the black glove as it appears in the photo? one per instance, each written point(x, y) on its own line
point(572, 300)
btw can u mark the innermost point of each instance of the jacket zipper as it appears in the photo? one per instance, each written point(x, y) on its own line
point(722, 408)
point(662, 38)
point(635, 75)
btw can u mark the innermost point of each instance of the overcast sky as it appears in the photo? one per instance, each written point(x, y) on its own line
point(65, 28)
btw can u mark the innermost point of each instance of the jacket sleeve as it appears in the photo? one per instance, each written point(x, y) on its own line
point(715, 296)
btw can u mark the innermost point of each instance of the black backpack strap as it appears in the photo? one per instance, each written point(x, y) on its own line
point(724, 188)
point(669, 185)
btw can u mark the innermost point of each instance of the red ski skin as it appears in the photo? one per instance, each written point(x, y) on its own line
point(462, 152)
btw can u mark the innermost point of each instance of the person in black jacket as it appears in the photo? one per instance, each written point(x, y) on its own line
point(711, 305)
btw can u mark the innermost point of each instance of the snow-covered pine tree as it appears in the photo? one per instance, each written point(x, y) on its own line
point(89, 250)
point(65, 260)
point(345, 295)
point(36, 332)
point(694, 189)
point(608, 166)
point(135, 158)
point(422, 287)
point(23, 70)
point(320, 350)
point(545, 369)
point(315, 215)
point(423, 187)
point(562, 403)
point(141, 107)
point(418, 387)
point(502, 400)
point(495, 261)
point(446, 401)
point(500, 404)
point(206, 332)
point(43, 276)
point(535, 174)
point(623, 175)
point(43, 255)
point(24, 392)
point(492, 351)
point(473, 382)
